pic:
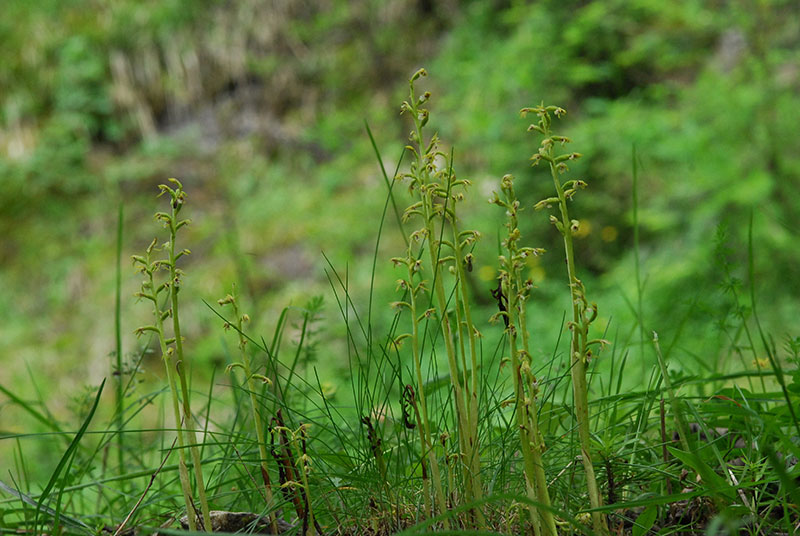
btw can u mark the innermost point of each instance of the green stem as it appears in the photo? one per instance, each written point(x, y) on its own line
point(520, 412)
point(526, 413)
point(467, 439)
point(447, 333)
point(120, 392)
point(188, 417)
point(425, 432)
point(167, 354)
point(473, 453)
point(578, 361)
point(257, 420)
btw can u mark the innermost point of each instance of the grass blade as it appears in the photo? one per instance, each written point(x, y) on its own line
point(68, 520)
point(120, 394)
point(67, 456)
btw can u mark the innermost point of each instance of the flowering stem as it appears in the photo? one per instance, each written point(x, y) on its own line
point(432, 184)
point(582, 312)
point(525, 384)
point(258, 421)
point(177, 198)
point(172, 348)
point(425, 431)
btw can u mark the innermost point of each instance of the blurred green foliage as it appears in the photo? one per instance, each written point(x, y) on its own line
point(702, 90)
point(259, 107)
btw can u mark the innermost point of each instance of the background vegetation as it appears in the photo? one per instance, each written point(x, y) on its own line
point(260, 109)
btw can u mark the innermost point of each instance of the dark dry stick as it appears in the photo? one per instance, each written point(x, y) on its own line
point(410, 397)
point(612, 487)
point(289, 479)
point(285, 463)
point(303, 448)
point(377, 451)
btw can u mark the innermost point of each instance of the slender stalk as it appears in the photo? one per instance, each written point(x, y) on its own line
point(578, 363)
point(258, 420)
point(172, 348)
point(425, 431)
point(473, 452)
point(514, 291)
point(583, 314)
point(175, 274)
point(521, 415)
point(150, 291)
point(120, 391)
point(537, 446)
point(468, 438)
point(427, 190)
point(433, 185)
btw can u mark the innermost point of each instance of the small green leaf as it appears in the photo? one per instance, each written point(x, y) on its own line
point(645, 521)
point(715, 483)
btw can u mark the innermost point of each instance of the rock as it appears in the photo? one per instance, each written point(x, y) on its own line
point(246, 522)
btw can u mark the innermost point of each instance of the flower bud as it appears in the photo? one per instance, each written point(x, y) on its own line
point(418, 74)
